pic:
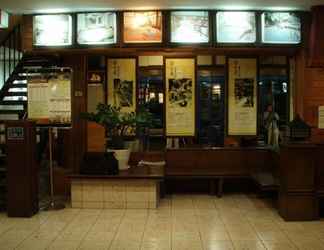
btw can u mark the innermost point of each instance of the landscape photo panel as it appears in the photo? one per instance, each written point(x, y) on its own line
point(189, 27)
point(142, 27)
point(281, 27)
point(96, 28)
point(236, 27)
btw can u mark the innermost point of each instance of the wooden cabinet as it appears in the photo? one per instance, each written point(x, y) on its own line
point(316, 42)
point(22, 167)
point(297, 196)
point(320, 170)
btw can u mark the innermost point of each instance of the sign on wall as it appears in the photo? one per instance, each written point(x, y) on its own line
point(49, 98)
point(242, 100)
point(180, 96)
point(122, 83)
point(321, 117)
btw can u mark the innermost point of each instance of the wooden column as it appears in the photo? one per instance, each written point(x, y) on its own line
point(23, 176)
point(297, 194)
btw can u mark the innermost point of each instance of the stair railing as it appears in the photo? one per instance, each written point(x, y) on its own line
point(10, 54)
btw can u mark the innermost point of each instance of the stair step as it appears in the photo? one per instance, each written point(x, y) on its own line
point(18, 85)
point(17, 90)
point(16, 94)
point(18, 82)
point(9, 117)
point(10, 111)
point(15, 98)
point(13, 102)
point(12, 107)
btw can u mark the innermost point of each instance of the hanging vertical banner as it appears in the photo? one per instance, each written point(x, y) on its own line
point(49, 97)
point(242, 92)
point(180, 96)
point(122, 83)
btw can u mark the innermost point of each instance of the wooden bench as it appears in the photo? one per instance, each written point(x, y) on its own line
point(217, 164)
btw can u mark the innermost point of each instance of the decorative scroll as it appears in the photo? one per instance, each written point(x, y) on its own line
point(49, 98)
point(180, 97)
point(122, 83)
point(242, 101)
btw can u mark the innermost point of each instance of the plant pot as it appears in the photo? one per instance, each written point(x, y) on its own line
point(122, 156)
point(133, 145)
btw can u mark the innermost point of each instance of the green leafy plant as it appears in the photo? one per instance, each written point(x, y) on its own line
point(120, 125)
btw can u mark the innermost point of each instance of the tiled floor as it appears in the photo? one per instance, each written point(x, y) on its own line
point(182, 222)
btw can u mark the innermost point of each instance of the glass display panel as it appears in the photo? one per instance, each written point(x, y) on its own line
point(211, 107)
point(97, 28)
point(281, 27)
point(189, 27)
point(235, 27)
point(52, 30)
point(143, 27)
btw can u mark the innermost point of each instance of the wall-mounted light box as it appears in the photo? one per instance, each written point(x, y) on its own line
point(97, 28)
point(52, 30)
point(189, 27)
point(236, 27)
point(281, 27)
point(4, 19)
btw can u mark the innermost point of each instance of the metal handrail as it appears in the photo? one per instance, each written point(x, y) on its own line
point(11, 53)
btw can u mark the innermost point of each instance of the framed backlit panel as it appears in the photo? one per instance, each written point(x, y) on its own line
point(236, 27)
point(281, 27)
point(142, 27)
point(189, 27)
point(52, 30)
point(97, 28)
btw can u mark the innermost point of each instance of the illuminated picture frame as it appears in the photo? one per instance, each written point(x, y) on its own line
point(190, 27)
point(97, 28)
point(142, 27)
point(236, 27)
point(281, 27)
point(52, 30)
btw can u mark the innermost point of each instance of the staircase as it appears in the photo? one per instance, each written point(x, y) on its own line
point(15, 68)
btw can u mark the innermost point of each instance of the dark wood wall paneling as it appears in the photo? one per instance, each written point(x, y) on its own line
point(13, 21)
point(309, 91)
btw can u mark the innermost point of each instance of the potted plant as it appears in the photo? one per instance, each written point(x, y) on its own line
point(120, 126)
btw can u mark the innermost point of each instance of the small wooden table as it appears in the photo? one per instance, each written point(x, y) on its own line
point(137, 187)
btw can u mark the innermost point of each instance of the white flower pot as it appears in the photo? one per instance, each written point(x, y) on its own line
point(122, 155)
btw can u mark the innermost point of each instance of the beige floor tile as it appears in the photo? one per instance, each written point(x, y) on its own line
point(64, 245)
point(309, 244)
point(218, 245)
point(125, 245)
point(94, 245)
point(34, 244)
point(276, 245)
point(99, 236)
point(13, 234)
point(248, 245)
point(156, 245)
point(273, 236)
point(187, 245)
point(209, 235)
point(243, 235)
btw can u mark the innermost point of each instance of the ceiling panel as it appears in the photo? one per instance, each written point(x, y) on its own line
point(41, 6)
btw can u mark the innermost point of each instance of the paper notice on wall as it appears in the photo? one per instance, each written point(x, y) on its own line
point(49, 99)
point(38, 94)
point(321, 117)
